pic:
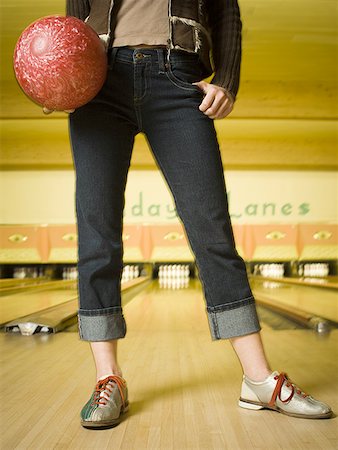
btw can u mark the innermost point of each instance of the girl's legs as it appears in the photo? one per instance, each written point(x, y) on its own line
point(141, 94)
point(184, 143)
point(102, 136)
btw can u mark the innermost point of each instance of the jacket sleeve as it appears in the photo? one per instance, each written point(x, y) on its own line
point(78, 8)
point(226, 34)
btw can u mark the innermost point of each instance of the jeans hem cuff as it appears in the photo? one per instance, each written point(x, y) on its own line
point(100, 312)
point(225, 324)
point(232, 305)
point(101, 327)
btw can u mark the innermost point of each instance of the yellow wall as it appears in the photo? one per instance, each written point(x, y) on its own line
point(285, 112)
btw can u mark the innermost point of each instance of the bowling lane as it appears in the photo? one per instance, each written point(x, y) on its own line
point(28, 301)
point(13, 287)
point(330, 282)
point(15, 282)
point(183, 387)
point(269, 319)
point(310, 299)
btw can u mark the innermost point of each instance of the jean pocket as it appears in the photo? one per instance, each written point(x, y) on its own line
point(183, 73)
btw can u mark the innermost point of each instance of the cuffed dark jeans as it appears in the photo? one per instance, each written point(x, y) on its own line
point(148, 92)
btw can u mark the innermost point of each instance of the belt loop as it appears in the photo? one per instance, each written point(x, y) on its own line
point(168, 56)
point(161, 59)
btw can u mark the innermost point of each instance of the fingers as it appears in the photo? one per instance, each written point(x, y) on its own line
point(217, 103)
point(49, 111)
point(223, 111)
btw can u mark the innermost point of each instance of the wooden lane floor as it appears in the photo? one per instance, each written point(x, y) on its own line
point(23, 285)
point(27, 301)
point(6, 283)
point(310, 299)
point(183, 387)
point(330, 282)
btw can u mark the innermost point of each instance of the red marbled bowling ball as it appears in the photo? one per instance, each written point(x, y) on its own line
point(60, 62)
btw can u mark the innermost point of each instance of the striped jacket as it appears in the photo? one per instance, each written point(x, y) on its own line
point(212, 28)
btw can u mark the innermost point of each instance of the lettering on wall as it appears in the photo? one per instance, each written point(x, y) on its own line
point(148, 210)
point(253, 197)
point(145, 209)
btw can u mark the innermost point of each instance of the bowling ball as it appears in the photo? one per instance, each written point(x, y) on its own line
point(60, 62)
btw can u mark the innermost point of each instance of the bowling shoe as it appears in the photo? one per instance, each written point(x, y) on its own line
point(107, 403)
point(278, 393)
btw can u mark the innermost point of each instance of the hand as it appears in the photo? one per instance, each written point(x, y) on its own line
point(49, 111)
point(217, 103)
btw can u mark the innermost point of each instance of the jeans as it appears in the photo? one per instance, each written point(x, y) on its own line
point(148, 91)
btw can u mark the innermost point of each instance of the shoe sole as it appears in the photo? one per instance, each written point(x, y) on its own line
point(105, 423)
point(251, 404)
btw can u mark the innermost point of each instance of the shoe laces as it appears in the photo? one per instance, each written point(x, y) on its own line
point(103, 386)
point(281, 379)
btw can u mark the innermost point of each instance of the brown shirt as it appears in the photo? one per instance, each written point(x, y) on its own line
point(140, 22)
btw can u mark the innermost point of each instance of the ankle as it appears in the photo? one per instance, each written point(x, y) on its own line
point(106, 372)
point(258, 376)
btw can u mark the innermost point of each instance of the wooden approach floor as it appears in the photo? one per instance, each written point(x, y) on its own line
point(183, 388)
